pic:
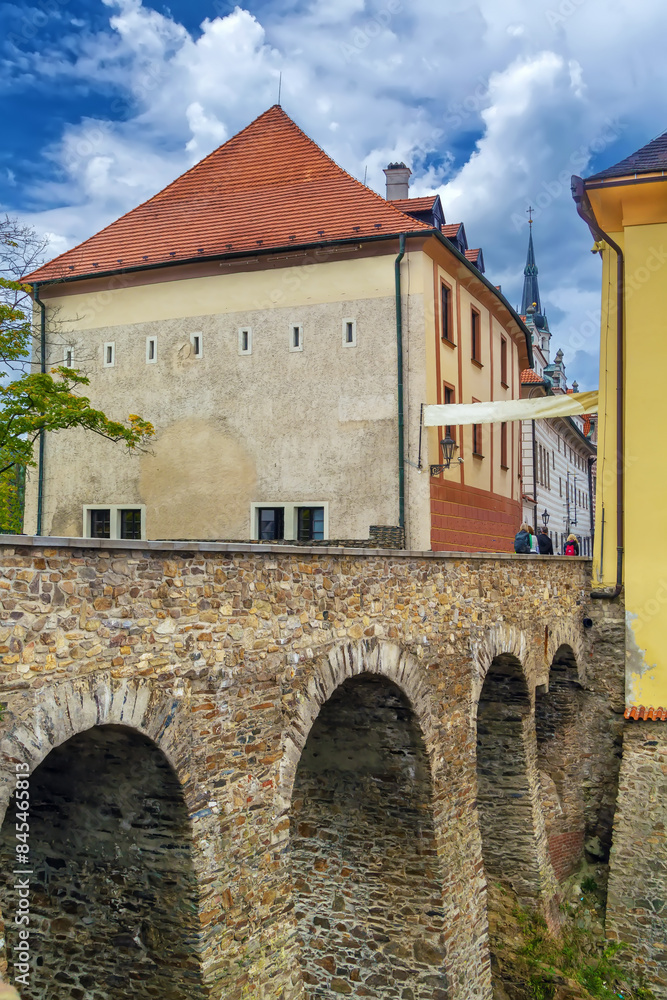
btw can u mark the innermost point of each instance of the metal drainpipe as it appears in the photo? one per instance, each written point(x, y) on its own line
point(590, 499)
point(534, 477)
point(399, 369)
point(42, 434)
point(585, 211)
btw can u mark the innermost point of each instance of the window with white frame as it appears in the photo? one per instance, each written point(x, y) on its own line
point(197, 345)
point(245, 340)
point(114, 521)
point(68, 356)
point(296, 337)
point(349, 333)
point(151, 350)
point(303, 522)
point(109, 356)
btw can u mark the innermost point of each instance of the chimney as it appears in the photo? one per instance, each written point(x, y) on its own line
point(397, 175)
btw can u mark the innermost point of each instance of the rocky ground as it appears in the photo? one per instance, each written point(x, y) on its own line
point(529, 964)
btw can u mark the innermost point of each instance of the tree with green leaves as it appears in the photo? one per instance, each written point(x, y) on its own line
point(33, 402)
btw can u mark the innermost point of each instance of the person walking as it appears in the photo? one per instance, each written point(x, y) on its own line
point(544, 543)
point(522, 539)
point(533, 541)
point(571, 546)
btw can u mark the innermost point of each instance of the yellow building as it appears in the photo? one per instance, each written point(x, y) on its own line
point(626, 209)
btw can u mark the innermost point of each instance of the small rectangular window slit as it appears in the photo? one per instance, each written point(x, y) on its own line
point(197, 345)
point(245, 340)
point(151, 350)
point(296, 337)
point(109, 354)
point(349, 333)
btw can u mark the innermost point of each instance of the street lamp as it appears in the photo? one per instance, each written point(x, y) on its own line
point(447, 448)
point(545, 517)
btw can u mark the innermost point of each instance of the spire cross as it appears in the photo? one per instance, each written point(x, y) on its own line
point(529, 212)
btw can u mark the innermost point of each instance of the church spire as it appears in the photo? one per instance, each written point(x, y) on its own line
point(531, 292)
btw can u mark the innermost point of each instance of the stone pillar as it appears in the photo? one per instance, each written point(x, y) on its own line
point(367, 882)
point(637, 891)
point(514, 843)
point(558, 720)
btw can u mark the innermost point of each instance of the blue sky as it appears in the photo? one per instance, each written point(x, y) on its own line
point(492, 104)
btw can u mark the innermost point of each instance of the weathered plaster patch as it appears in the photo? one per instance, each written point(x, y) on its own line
point(636, 667)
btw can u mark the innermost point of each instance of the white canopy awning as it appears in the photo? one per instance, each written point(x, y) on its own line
point(501, 411)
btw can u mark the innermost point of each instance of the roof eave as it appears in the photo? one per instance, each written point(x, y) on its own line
point(232, 255)
point(581, 435)
point(596, 182)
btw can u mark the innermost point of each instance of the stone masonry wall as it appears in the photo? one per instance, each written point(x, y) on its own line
point(637, 894)
point(559, 714)
point(223, 656)
point(368, 889)
point(514, 842)
point(114, 899)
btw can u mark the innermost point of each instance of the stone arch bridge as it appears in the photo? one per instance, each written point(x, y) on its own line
point(286, 772)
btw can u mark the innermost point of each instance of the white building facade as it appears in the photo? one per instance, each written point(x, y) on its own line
point(558, 455)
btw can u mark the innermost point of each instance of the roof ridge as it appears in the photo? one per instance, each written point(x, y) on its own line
point(151, 215)
point(147, 201)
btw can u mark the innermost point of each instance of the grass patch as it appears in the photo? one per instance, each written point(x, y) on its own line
point(577, 956)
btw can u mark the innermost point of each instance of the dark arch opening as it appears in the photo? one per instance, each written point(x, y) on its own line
point(367, 883)
point(507, 785)
point(561, 760)
point(114, 902)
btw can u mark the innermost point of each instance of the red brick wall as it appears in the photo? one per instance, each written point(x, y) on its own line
point(566, 851)
point(465, 519)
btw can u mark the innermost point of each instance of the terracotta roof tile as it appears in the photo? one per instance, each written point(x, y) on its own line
point(473, 254)
point(646, 714)
point(451, 230)
point(530, 377)
point(651, 158)
point(269, 186)
point(424, 204)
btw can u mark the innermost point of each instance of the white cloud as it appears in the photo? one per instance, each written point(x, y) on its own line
point(207, 131)
point(527, 84)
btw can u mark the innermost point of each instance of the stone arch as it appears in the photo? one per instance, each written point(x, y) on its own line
point(567, 635)
point(501, 640)
point(327, 673)
point(60, 716)
point(367, 873)
point(561, 735)
point(65, 709)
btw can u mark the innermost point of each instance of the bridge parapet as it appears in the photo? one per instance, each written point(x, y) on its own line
point(223, 655)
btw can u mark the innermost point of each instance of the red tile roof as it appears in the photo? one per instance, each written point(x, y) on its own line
point(473, 254)
point(529, 377)
point(269, 186)
point(451, 230)
point(424, 204)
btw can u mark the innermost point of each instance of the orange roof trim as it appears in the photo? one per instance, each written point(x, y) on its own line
point(268, 187)
point(646, 714)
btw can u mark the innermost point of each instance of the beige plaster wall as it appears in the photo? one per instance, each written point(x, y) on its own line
point(317, 425)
